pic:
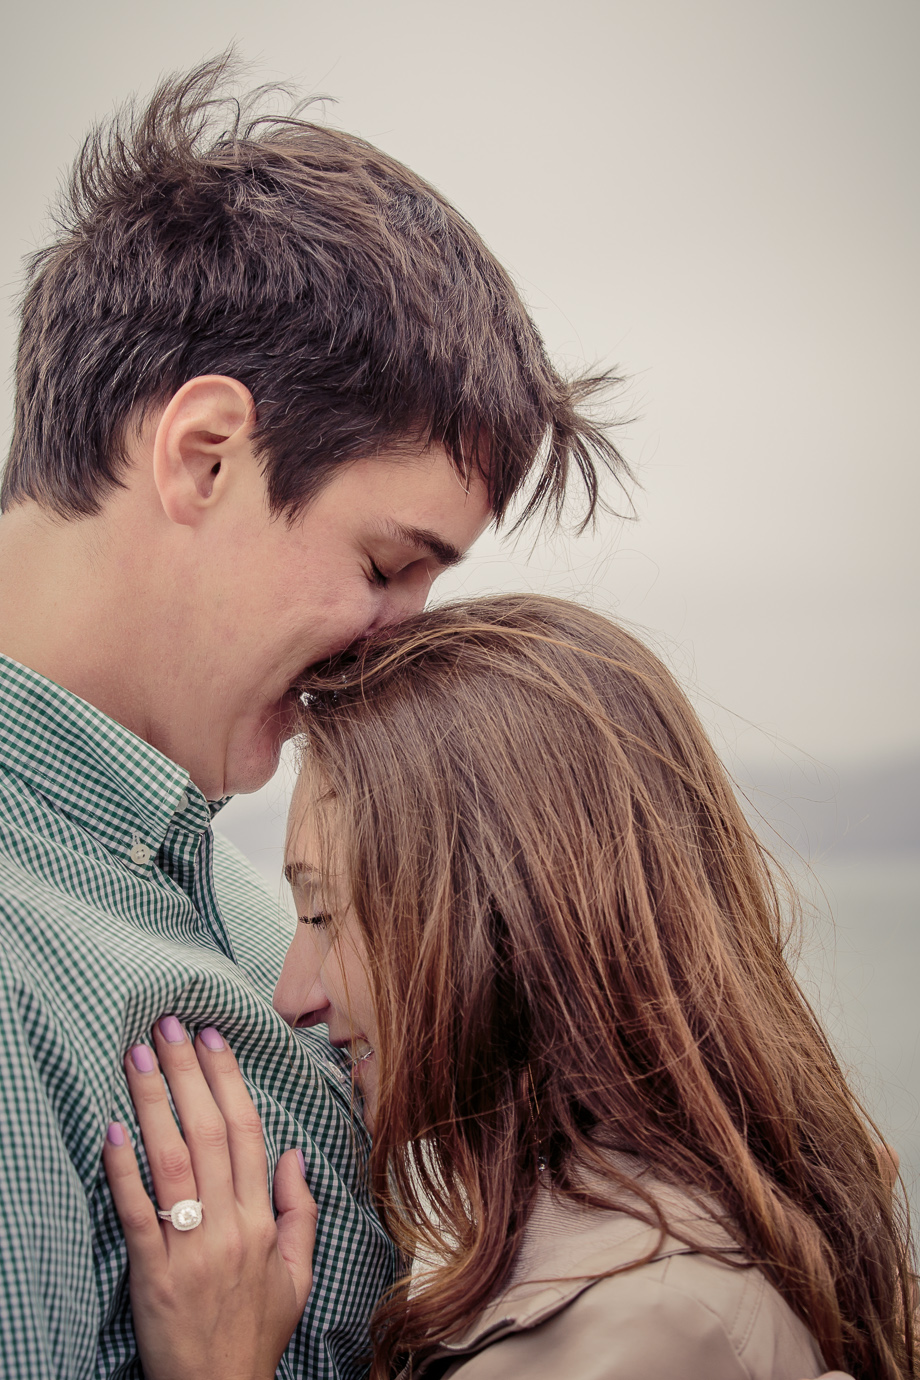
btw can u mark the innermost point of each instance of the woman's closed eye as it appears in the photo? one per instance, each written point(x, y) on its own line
point(320, 921)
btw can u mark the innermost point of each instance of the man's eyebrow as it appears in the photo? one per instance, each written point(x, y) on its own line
point(444, 552)
point(298, 873)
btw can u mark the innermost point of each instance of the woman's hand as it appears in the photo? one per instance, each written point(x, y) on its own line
point(222, 1299)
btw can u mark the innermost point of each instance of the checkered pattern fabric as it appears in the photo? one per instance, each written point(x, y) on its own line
point(118, 904)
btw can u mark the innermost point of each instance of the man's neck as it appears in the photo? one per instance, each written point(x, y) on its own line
point(68, 599)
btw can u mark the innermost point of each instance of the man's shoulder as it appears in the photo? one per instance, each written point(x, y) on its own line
point(76, 922)
point(28, 885)
point(64, 949)
point(37, 838)
point(23, 812)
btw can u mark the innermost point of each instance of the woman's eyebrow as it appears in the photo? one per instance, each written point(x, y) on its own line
point(301, 874)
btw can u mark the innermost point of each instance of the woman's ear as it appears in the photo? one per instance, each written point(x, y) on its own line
point(202, 437)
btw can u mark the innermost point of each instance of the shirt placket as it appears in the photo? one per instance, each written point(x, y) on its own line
point(186, 857)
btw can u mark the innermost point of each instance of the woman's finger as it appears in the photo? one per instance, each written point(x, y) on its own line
point(296, 1222)
point(167, 1154)
point(203, 1126)
point(139, 1221)
point(242, 1121)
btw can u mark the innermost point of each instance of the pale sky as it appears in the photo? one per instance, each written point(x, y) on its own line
point(721, 198)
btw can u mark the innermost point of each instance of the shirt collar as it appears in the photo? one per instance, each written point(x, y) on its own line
point(93, 770)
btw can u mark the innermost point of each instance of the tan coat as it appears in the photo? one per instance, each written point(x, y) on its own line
point(683, 1315)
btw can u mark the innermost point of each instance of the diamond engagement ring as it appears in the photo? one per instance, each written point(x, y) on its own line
point(184, 1216)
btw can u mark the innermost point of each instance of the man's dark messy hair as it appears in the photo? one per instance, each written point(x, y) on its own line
point(360, 309)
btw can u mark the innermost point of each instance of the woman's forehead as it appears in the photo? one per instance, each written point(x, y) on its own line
point(312, 846)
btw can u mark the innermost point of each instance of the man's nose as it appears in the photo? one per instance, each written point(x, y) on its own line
point(409, 593)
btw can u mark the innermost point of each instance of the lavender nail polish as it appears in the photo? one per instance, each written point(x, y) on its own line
point(115, 1134)
point(171, 1030)
point(300, 1161)
point(211, 1039)
point(142, 1058)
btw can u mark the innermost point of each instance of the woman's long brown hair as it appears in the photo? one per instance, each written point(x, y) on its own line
point(575, 940)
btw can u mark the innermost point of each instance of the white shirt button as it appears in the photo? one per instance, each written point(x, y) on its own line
point(140, 854)
point(182, 803)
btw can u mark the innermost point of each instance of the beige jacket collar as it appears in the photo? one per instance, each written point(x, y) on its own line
point(566, 1248)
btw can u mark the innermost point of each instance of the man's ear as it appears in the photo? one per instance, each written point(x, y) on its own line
point(202, 438)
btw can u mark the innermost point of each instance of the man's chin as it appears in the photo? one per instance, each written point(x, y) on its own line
point(252, 764)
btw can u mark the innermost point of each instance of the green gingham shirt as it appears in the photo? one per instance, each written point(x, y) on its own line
point(97, 942)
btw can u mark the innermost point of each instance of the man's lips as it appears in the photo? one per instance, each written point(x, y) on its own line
point(342, 656)
point(284, 706)
point(290, 700)
point(282, 717)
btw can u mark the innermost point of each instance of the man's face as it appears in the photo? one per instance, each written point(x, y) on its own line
point(274, 598)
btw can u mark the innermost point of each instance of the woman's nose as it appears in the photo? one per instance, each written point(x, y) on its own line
point(301, 1005)
point(300, 997)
